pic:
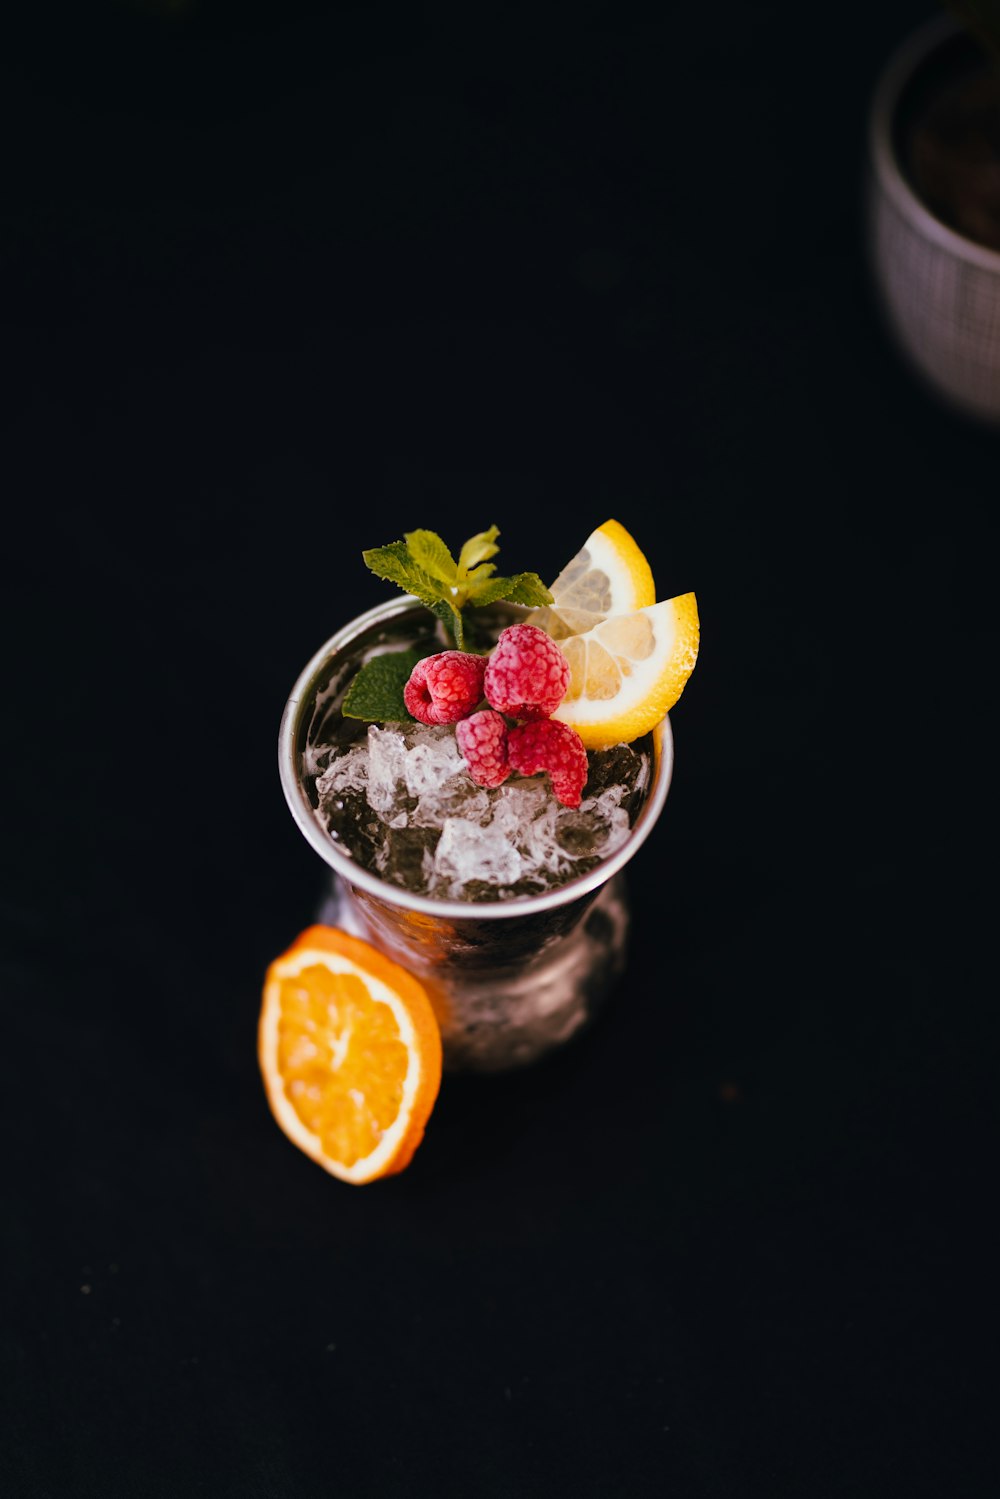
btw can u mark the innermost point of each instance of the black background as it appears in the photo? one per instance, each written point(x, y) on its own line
point(278, 282)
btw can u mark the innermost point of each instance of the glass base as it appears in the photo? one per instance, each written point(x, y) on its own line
point(494, 1021)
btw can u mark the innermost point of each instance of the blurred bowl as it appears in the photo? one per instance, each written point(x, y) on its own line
point(939, 291)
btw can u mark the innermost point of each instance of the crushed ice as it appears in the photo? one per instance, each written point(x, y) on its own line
point(401, 802)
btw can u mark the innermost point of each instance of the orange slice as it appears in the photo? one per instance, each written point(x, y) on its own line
point(350, 1053)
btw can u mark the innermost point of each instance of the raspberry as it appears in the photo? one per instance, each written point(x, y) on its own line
point(445, 687)
point(483, 742)
point(554, 747)
point(528, 674)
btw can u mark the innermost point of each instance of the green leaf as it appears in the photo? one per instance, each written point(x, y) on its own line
point(489, 591)
point(392, 562)
point(528, 588)
point(423, 565)
point(453, 622)
point(524, 588)
point(376, 694)
point(430, 553)
point(395, 564)
point(478, 548)
point(446, 614)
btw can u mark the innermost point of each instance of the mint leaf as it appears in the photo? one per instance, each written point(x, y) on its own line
point(453, 621)
point(395, 564)
point(392, 562)
point(478, 548)
point(423, 565)
point(376, 694)
point(488, 591)
point(528, 588)
point(430, 553)
point(523, 588)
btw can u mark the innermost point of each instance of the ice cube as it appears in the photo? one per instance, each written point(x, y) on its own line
point(624, 767)
point(460, 797)
point(518, 803)
point(347, 773)
point(386, 770)
point(431, 762)
point(468, 852)
point(402, 803)
point(404, 854)
point(579, 835)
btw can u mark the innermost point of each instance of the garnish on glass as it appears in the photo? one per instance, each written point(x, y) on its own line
point(423, 565)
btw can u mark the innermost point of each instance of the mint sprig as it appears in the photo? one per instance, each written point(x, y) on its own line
point(422, 564)
point(376, 694)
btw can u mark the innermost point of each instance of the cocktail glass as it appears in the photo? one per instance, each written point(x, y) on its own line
point(509, 980)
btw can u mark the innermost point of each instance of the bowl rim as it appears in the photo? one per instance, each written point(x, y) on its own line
point(449, 910)
point(895, 76)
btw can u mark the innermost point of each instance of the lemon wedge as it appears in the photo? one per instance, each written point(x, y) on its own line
point(609, 575)
point(628, 670)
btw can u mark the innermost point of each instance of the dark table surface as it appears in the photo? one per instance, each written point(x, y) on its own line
point(279, 282)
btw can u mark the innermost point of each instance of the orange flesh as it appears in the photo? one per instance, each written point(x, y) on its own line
point(341, 1060)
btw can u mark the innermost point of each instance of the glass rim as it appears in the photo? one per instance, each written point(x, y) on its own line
point(299, 703)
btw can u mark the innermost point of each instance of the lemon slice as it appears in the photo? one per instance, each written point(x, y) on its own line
point(628, 671)
point(609, 575)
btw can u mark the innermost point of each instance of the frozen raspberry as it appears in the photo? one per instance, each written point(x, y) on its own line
point(445, 687)
point(528, 674)
point(483, 742)
point(555, 747)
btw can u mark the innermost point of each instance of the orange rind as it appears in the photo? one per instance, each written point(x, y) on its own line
point(350, 1054)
